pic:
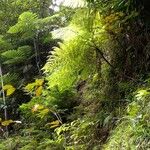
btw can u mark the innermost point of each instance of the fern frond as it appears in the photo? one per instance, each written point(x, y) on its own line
point(47, 20)
point(11, 78)
point(67, 61)
point(79, 24)
point(4, 45)
point(76, 58)
point(26, 24)
point(29, 24)
point(16, 56)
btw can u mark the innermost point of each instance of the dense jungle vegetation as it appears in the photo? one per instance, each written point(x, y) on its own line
point(74, 75)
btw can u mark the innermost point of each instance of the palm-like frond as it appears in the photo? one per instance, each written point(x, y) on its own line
point(4, 44)
point(76, 58)
point(67, 61)
point(29, 24)
point(78, 25)
point(16, 56)
point(11, 78)
point(26, 25)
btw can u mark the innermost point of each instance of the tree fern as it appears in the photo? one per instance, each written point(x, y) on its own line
point(25, 25)
point(76, 58)
point(29, 25)
point(68, 61)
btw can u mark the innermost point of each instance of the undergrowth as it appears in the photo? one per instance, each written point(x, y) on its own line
point(91, 125)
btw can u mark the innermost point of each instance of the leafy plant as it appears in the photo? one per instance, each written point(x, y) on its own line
point(133, 131)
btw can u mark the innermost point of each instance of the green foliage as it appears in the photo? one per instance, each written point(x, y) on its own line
point(12, 57)
point(19, 63)
point(76, 138)
point(10, 78)
point(48, 105)
point(35, 88)
point(22, 143)
point(33, 140)
point(9, 89)
point(81, 54)
point(4, 45)
point(25, 25)
point(76, 58)
point(80, 103)
point(63, 67)
point(133, 131)
point(29, 25)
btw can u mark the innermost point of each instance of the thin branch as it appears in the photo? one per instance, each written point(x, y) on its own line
point(58, 117)
point(102, 54)
point(97, 49)
point(36, 55)
point(4, 98)
point(103, 57)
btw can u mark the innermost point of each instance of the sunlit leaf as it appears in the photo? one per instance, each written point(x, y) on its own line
point(43, 112)
point(54, 124)
point(38, 91)
point(9, 89)
point(39, 82)
point(30, 87)
point(7, 122)
point(37, 107)
point(142, 93)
